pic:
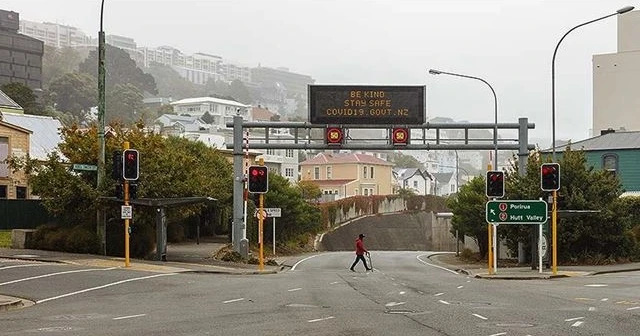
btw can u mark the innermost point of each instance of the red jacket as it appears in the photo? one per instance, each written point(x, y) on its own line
point(360, 250)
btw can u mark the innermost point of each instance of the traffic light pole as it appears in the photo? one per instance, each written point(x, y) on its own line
point(126, 221)
point(261, 231)
point(554, 226)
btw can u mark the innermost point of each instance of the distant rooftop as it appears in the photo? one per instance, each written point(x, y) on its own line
point(202, 100)
point(608, 141)
point(46, 132)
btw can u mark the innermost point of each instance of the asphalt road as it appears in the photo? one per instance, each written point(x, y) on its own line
point(405, 295)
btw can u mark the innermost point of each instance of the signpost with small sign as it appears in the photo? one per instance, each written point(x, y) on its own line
point(272, 213)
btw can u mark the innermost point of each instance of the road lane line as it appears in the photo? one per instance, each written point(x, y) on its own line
point(498, 334)
point(393, 304)
point(293, 268)
point(438, 294)
point(402, 293)
point(605, 299)
point(480, 316)
point(445, 302)
point(17, 266)
point(596, 285)
point(633, 308)
point(335, 282)
point(577, 324)
point(128, 317)
point(234, 300)
point(104, 286)
point(321, 319)
point(574, 319)
point(294, 289)
point(592, 308)
point(460, 287)
point(57, 273)
point(436, 266)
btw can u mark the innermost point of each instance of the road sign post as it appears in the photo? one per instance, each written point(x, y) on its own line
point(516, 212)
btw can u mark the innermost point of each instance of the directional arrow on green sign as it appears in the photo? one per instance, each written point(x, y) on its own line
point(516, 212)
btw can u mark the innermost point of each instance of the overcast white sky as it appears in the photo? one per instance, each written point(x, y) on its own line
point(509, 43)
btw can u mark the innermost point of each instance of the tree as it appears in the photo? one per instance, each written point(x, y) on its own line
point(309, 190)
point(125, 104)
point(59, 61)
point(468, 207)
point(23, 96)
point(75, 93)
point(120, 69)
point(239, 92)
point(405, 161)
point(171, 84)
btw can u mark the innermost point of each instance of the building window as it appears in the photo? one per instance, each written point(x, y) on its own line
point(609, 162)
point(288, 172)
point(289, 153)
point(415, 184)
point(271, 151)
point(3, 191)
point(364, 172)
point(21, 192)
point(316, 173)
point(329, 173)
point(371, 172)
point(4, 153)
point(335, 191)
point(365, 192)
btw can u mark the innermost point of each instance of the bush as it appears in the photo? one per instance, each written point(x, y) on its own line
point(74, 239)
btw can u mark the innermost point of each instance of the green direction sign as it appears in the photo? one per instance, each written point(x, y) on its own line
point(516, 212)
point(82, 166)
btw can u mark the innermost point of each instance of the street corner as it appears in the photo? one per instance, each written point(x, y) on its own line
point(11, 303)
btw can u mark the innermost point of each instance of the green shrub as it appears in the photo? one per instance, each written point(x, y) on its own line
point(81, 240)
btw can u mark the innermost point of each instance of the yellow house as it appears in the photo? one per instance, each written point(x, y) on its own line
point(347, 174)
point(14, 141)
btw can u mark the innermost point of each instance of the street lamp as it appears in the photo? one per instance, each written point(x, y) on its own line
point(553, 75)
point(101, 146)
point(495, 106)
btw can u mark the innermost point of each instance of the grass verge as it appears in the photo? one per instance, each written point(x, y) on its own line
point(5, 238)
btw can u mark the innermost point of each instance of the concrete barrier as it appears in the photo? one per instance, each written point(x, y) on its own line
point(21, 238)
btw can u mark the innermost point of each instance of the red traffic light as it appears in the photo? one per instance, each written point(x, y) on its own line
point(550, 176)
point(495, 184)
point(258, 179)
point(130, 164)
point(334, 136)
point(400, 136)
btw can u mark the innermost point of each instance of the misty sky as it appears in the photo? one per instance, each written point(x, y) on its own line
point(509, 43)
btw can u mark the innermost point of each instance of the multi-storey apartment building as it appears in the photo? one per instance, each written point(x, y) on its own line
point(295, 84)
point(616, 79)
point(20, 55)
point(220, 111)
point(55, 34)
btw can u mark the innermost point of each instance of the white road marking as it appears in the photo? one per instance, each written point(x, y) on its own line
point(459, 287)
point(633, 308)
point(335, 282)
point(234, 300)
point(605, 299)
point(577, 324)
point(293, 268)
point(574, 319)
point(402, 293)
point(596, 285)
point(392, 304)
point(128, 317)
point(498, 334)
point(436, 266)
point(16, 266)
point(321, 319)
point(104, 286)
point(445, 302)
point(480, 316)
point(592, 308)
point(294, 289)
point(54, 274)
point(438, 294)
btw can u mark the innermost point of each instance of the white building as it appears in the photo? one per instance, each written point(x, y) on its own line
point(616, 79)
point(220, 110)
point(418, 180)
point(54, 34)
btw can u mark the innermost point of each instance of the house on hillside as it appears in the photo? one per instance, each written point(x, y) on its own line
point(345, 175)
point(261, 114)
point(418, 180)
point(14, 141)
point(616, 152)
point(219, 111)
point(445, 184)
point(173, 124)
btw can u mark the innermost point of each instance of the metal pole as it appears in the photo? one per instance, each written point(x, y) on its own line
point(540, 248)
point(126, 221)
point(240, 245)
point(495, 249)
point(553, 75)
point(554, 227)
point(101, 225)
point(274, 236)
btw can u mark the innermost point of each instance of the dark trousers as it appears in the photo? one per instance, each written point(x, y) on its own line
point(358, 258)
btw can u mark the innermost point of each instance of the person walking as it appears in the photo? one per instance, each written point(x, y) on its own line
point(360, 251)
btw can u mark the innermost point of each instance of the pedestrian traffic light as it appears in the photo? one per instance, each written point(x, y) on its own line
point(550, 176)
point(258, 179)
point(130, 164)
point(116, 166)
point(495, 184)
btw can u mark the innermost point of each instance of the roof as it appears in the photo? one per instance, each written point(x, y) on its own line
point(261, 114)
point(443, 177)
point(203, 100)
point(15, 127)
point(343, 158)
point(5, 100)
point(614, 140)
point(190, 123)
point(46, 132)
point(406, 173)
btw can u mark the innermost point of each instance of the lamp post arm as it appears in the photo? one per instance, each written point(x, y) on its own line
point(553, 82)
